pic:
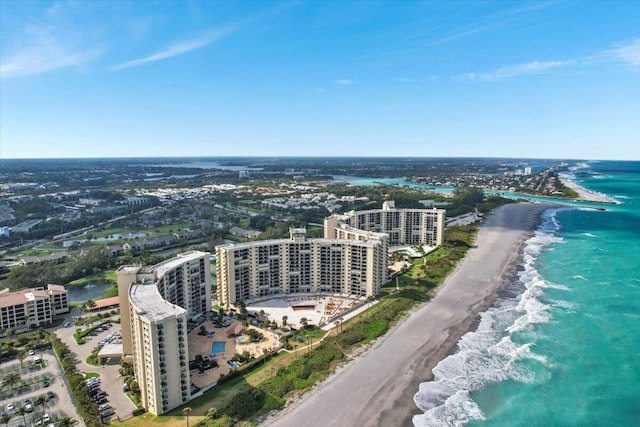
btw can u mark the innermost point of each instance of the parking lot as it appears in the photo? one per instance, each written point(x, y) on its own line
point(47, 381)
point(111, 381)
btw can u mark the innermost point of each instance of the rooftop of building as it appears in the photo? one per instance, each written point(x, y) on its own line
point(56, 288)
point(130, 269)
point(247, 245)
point(106, 302)
point(372, 234)
point(8, 299)
point(178, 260)
point(150, 304)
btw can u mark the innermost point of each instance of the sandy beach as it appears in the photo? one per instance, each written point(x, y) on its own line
point(583, 193)
point(377, 388)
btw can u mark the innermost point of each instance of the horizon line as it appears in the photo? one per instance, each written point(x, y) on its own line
point(312, 157)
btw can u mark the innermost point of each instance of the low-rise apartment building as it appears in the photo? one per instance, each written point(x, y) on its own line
point(31, 307)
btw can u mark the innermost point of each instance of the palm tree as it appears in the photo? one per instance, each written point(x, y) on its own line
point(5, 419)
point(11, 380)
point(304, 322)
point(23, 412)
point(65, 422)
point(90, 304)
point(41, 401)
point(21, 355)
point(284, 321)
point(186, 411)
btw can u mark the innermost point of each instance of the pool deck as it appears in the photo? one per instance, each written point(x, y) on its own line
point(199, 344)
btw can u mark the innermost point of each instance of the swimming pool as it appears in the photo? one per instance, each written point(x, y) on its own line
point(217, 347)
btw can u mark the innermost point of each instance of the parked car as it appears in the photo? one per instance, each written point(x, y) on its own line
point(32, 352)
point(107, 413)
point(46, 418)
point(45, 384)
point(50, 395)
point(11, 407)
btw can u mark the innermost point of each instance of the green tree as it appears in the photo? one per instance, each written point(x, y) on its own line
point(11, 380)
point(88, 306)
point(22, 412)
point(186, 412)
point(65, 422)
point(5, 419)
point(41, 401)
point(21, 355)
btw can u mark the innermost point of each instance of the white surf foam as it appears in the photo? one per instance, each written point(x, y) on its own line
point(489, 354)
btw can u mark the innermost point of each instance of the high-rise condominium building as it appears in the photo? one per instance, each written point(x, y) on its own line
point(155, 305)
point(356, 266)
point(350, 259)
point(404, 226)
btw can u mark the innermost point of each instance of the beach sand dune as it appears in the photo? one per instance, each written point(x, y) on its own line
point(377, 388)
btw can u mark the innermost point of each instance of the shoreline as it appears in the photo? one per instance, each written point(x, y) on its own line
point(584, 194)
point(377, 388)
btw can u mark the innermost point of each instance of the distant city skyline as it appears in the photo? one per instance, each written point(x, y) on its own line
point(552, 79)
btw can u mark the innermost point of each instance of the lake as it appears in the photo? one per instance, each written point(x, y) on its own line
point(90, 290)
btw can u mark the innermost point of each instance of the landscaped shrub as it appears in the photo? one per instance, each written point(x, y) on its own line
point(138, 411)
point(245, 404)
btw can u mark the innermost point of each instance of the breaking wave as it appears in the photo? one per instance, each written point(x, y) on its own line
point(490, 354)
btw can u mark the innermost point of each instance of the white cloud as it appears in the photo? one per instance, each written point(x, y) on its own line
point(530, 68)
point(180, 47)
point(622, 52)
point(627, 51)
point(44, 50)
point(344, 82)
point(465, 33)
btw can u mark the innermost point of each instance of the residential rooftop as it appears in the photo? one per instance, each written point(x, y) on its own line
point(150, 304)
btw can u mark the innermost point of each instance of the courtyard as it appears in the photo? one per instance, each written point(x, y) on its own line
point(319, 310)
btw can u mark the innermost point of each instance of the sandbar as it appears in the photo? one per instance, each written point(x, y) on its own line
point(584, 194)
point(377, 388)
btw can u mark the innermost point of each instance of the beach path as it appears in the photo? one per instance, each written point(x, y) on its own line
point(377, 388)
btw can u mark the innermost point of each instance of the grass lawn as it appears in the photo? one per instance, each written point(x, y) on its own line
point(106, 232)
point(111, 292)
point(105, 276)
point(163, 420)
point(91, 375)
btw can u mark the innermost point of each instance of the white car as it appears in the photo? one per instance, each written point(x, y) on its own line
point(32, 352)
point(46, 418)
point(11, 407)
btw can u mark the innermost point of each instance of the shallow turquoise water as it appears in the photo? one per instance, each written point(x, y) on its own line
point(562, 345)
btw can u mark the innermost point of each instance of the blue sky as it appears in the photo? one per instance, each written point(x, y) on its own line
point(556, 79)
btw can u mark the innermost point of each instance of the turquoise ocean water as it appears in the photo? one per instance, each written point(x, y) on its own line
point(561, 346)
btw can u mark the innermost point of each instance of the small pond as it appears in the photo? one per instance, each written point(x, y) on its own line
point(87, 291)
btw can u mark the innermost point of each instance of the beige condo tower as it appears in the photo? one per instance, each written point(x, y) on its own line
point(156, 304)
